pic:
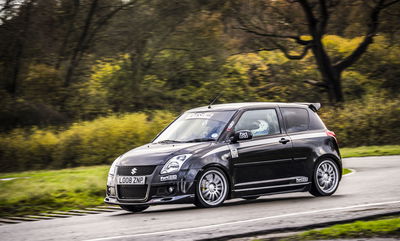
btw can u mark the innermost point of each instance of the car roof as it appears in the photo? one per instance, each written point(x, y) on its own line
point(247, 105)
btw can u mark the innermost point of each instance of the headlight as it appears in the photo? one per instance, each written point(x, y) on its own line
point(112, 172)
point(174, 164)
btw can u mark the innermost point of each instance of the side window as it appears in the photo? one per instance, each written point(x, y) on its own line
point(316, 122)
point(296, 119)
point(259, 122)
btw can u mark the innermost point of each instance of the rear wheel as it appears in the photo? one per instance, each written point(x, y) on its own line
point(211, 189)
point(325, 178)
point(134, 209)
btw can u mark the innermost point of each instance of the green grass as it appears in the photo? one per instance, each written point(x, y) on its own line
point(52, 190)
point(85, 186)
point(370, 151)
point(359, 229)
point(346, 171)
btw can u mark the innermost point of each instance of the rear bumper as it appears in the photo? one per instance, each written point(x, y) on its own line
point(156, 201)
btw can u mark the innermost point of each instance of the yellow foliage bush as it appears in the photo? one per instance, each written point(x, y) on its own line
point(374, 120)
point(371, 121)
point(86, 143)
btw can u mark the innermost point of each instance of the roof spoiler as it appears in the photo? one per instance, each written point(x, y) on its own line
point(313, 106)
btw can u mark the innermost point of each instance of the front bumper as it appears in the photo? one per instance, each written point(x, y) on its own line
point(155, 191)
point(156, 201)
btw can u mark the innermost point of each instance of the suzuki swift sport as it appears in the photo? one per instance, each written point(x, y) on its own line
point(242, 150)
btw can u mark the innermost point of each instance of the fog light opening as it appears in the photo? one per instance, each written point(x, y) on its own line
point(112, 191)
point(171, 189)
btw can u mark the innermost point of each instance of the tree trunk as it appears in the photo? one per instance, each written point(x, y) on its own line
point(74, 61)
point(330, 75)
point(71, 19)
point(15, 82)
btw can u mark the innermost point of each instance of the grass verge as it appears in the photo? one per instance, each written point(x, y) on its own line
point(370, 151)
point(40, 191)
point(389, 227)
point(346, 171)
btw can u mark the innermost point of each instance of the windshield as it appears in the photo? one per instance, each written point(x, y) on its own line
point(196, 127)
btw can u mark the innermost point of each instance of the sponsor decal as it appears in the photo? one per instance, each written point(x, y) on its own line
point(301, 179)
point(230, 126)
point(169, 178)
point(200, 115)
point(234, 151)
point(243, 135)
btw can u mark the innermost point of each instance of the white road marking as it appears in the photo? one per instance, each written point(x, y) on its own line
point(245, 221)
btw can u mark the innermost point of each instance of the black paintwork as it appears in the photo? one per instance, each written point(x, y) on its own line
point(265, 165)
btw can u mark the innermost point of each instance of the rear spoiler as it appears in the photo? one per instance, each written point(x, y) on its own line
point(313, 106)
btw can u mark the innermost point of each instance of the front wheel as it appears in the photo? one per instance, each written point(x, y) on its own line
point(211, 188)
point(134, 209)
point(325, 178)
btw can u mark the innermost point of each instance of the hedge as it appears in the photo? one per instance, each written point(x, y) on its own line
point(372, 121)
point(82, 144)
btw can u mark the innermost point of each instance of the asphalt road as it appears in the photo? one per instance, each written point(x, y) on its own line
point(374, 188)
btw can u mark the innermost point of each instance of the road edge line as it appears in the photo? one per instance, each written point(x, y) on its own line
point(300, 228)
point(130, 236)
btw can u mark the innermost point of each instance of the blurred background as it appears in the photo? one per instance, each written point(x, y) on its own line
point(83, 81)
point(108, 75)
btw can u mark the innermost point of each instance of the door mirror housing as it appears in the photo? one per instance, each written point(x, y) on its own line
point(241, 135)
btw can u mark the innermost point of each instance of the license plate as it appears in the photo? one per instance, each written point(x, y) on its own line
point(126, 180)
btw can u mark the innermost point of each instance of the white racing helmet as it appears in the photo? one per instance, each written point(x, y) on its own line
point(263, 128)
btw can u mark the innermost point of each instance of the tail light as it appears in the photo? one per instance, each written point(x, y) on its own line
point(330, 133)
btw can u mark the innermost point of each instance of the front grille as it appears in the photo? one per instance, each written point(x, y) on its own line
point(140, 170)
point(132, 191)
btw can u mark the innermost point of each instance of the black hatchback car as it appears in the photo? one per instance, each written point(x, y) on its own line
point(242, 150)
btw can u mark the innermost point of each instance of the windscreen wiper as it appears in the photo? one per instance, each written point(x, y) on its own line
point(201, 140)
point(169, 141)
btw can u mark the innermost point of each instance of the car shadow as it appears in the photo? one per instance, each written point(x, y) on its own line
point(230, 203)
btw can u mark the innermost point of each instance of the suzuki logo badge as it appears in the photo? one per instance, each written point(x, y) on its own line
point(134, 170)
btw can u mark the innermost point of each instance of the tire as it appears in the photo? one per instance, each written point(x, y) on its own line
point(211, 188)
point(325, 178)
point(251, 198)
point(134, 209)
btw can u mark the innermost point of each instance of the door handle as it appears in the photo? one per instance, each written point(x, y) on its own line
point(284, 140)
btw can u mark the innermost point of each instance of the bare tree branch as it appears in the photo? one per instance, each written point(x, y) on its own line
point(271, 35)
point(390, 3)
point(99, 24)
point(317, 83)
point(368, 39)
point(310, 17)
point(285, 51)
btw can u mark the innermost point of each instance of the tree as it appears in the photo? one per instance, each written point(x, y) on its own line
point(293, 24)
point(94, 21)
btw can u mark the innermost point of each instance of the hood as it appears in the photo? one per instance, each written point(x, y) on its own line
point(158, 154)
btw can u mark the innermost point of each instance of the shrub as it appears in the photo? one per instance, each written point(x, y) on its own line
point(374, 120)
point(371, 121)
point(86, 143)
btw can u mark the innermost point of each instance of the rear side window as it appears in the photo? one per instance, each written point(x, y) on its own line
point(296, 119)
point(259, 122)
point(315, 122)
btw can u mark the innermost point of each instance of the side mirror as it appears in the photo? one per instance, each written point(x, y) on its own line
point(241, 135)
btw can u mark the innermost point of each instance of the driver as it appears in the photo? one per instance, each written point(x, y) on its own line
point(263, 128)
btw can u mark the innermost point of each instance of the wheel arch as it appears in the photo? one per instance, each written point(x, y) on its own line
point(223, 169)
point(332, 157)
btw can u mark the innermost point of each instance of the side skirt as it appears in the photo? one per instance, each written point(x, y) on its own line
point(280, 190)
